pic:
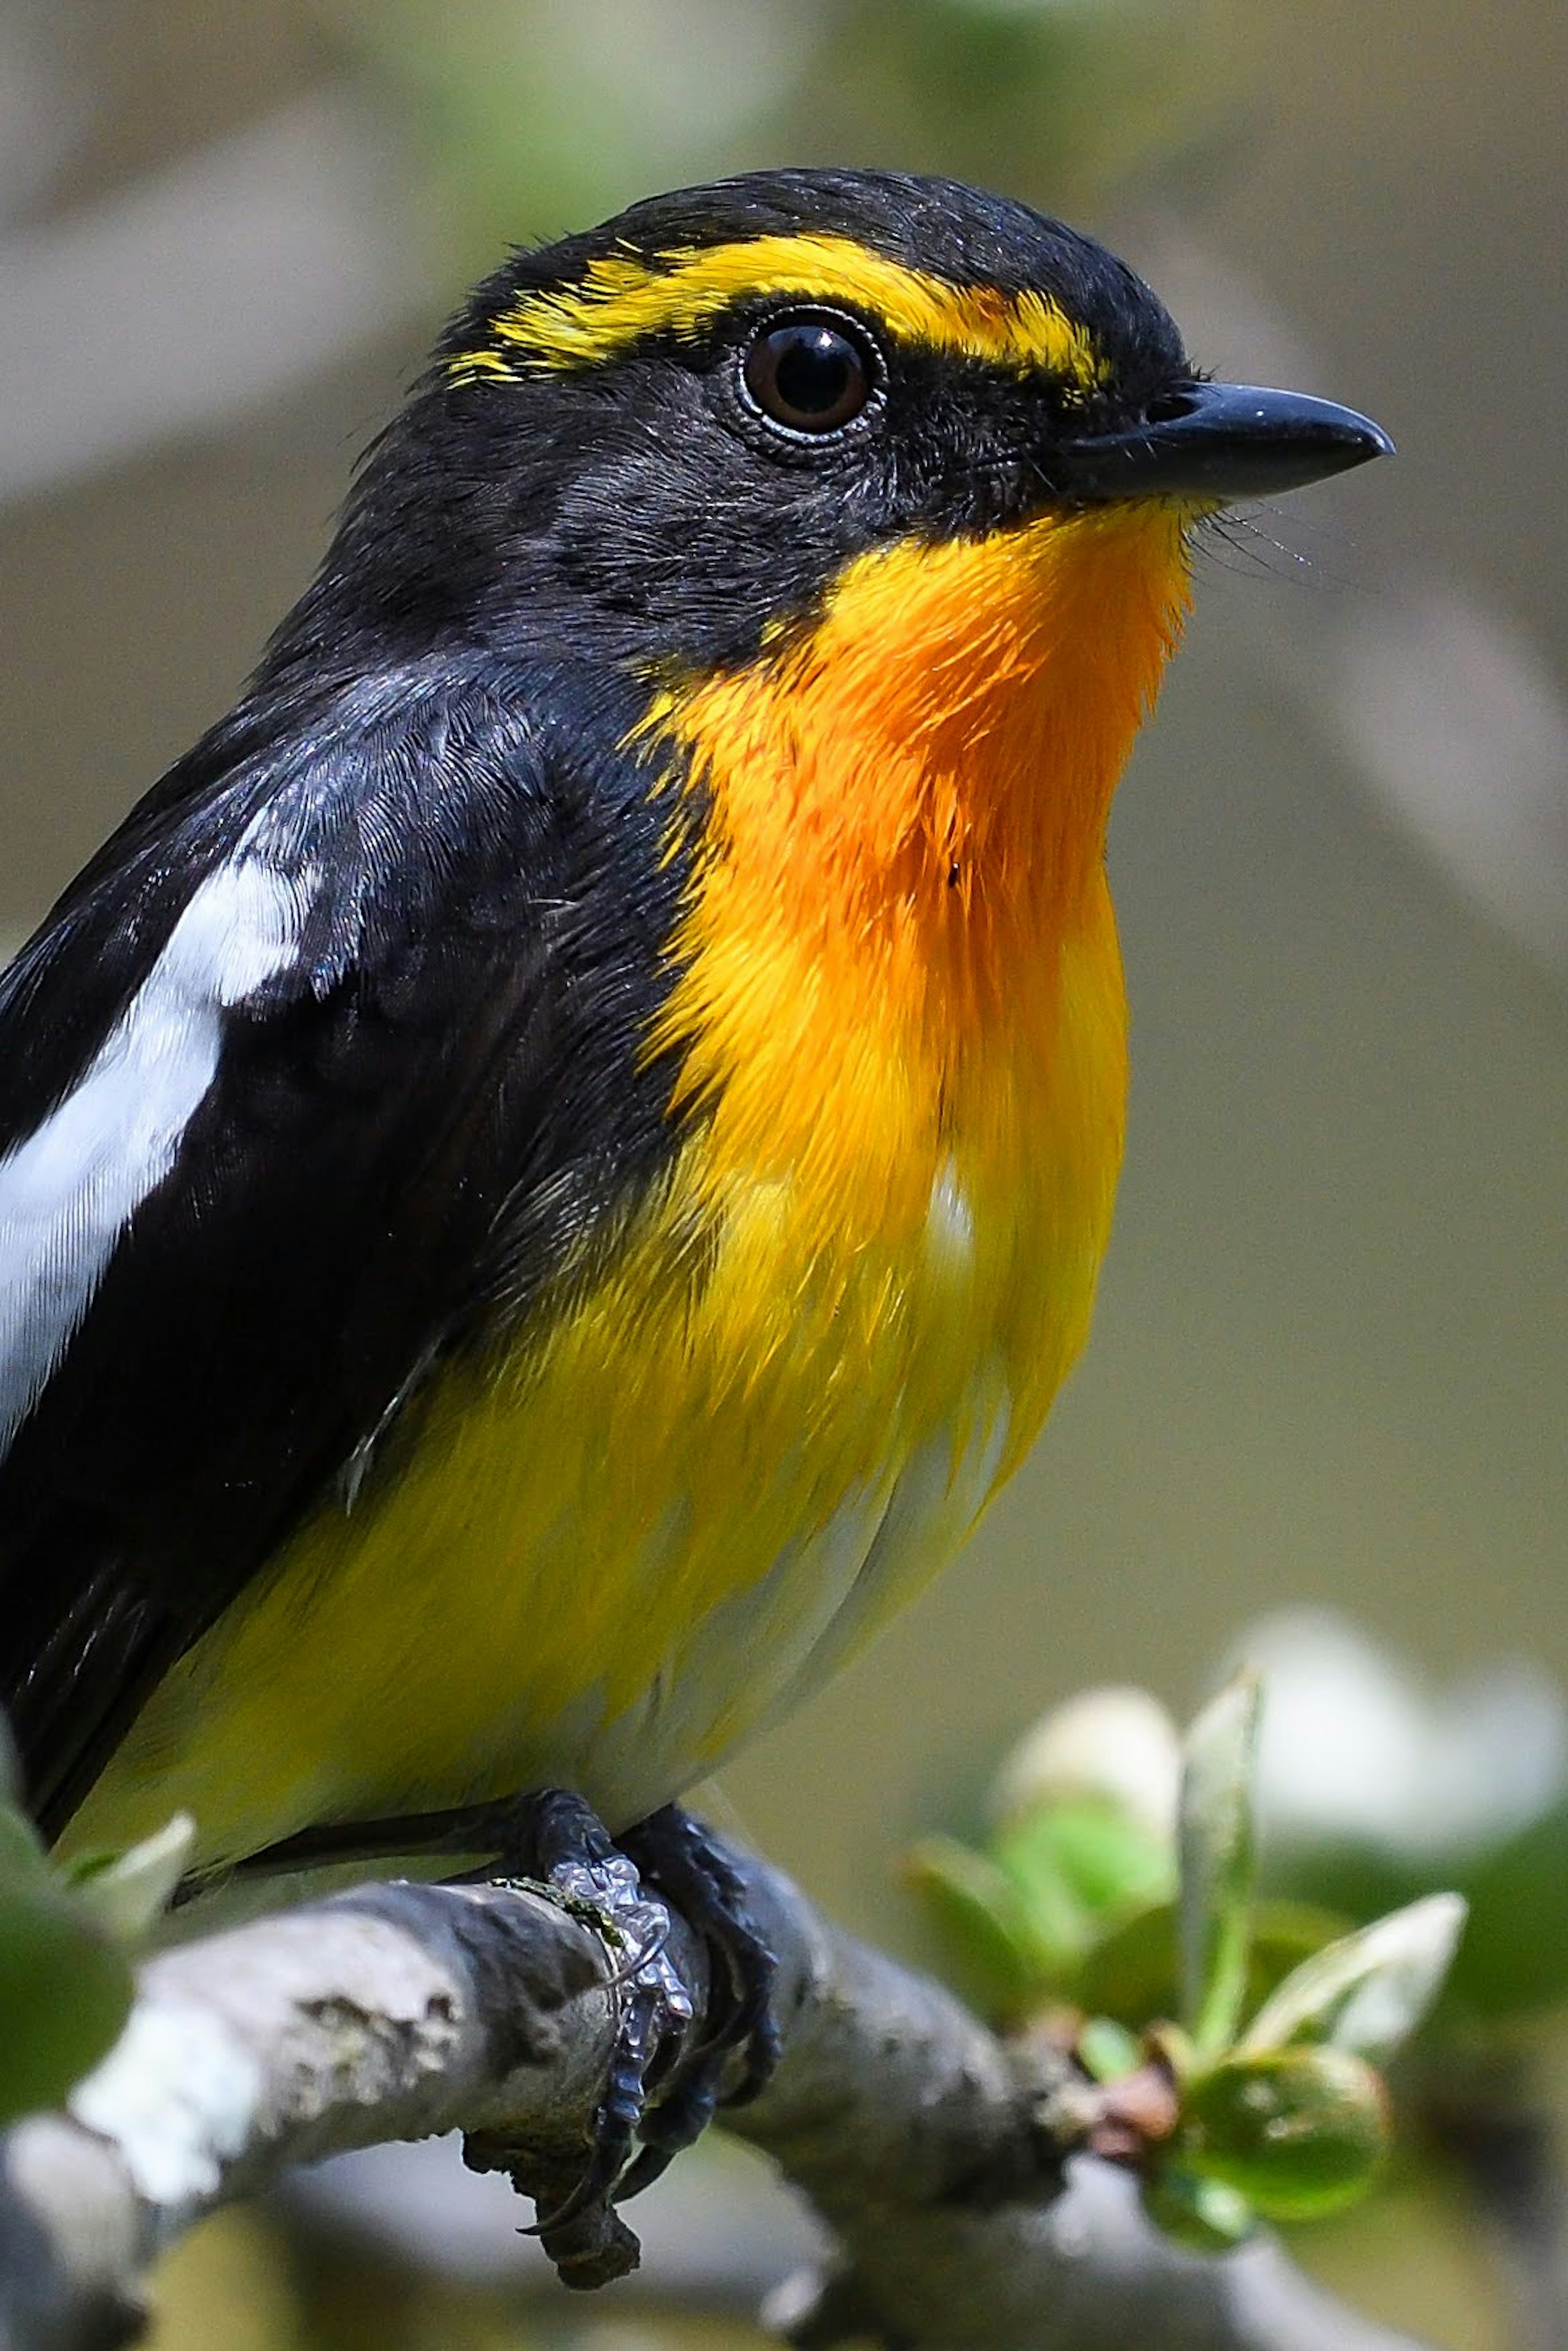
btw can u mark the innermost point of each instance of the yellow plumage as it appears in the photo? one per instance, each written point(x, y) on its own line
point(623, 299)
point(782, 1398)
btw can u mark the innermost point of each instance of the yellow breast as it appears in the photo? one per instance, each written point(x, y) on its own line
point(715, 1464)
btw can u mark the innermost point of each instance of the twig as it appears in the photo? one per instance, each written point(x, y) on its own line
point(400, 2011)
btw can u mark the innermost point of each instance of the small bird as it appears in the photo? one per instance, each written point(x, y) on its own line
point(551, 1167)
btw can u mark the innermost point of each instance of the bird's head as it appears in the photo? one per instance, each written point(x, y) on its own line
point(865, 500)
point(683, 427)
point(857, 506)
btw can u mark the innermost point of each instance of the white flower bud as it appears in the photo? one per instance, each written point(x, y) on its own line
point(1118, 1744)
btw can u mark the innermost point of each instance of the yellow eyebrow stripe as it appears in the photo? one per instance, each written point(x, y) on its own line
point(623, 299)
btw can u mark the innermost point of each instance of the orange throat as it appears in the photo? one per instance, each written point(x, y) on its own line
point(835, 1325)
point(901, 980)
point(907, 813)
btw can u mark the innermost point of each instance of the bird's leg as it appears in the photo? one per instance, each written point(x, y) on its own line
point(555, 1840)
point(676, 1854)
point(667, 1859)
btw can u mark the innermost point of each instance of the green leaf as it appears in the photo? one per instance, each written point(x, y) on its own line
point(65, 1991)
point(1217, 1863)
point(978, 1912)
point(128, 1893)
point(1203, 2215)
point(1108, 2051)
point(1131, 1972)
point(1082, 1863)
point(1038, 1865)
point(1298, 2132)
point(1368, 1992)
point(22, 1855)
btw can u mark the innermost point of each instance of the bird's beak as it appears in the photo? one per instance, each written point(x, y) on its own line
point(1212, 443)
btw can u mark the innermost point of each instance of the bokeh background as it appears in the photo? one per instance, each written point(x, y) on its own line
point(1331, 1350)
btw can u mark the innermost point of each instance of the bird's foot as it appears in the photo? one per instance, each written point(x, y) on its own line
point(676, 1854)
point(555, 1842)
point(664, 2085)
point(665, 2077)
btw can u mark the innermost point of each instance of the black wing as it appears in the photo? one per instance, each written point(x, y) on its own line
point(312, 1077)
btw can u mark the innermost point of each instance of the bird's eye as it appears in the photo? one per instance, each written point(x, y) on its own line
point(808, 373)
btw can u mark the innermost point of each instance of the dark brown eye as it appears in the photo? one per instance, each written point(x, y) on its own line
point(808, 374)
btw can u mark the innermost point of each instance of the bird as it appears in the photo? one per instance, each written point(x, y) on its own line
point(555, 1162)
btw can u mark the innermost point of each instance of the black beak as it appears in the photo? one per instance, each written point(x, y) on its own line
point(1217, 441)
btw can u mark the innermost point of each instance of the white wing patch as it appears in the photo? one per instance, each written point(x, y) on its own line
point(68, 1191)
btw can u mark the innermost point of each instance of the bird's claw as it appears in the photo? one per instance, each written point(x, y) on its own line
point(662, 2086)
point(676, 1852)
point(655, 2016)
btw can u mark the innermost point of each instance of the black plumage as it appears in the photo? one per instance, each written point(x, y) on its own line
point(413, 1121)
point(407, 1133)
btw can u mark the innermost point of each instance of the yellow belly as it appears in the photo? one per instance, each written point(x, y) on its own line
point(674, 1509)
point(709, 1472)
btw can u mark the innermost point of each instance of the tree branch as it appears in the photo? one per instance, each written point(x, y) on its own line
point(396, 2011)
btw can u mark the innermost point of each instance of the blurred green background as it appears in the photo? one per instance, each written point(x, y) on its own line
point(1329, 1362)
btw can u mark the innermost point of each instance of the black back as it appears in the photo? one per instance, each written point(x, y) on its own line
point(414, 1123)
point(408, 1131)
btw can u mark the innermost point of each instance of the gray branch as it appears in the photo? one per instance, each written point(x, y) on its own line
point(398, 2011)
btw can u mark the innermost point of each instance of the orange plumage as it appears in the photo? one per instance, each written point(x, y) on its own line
point(767, 1388)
